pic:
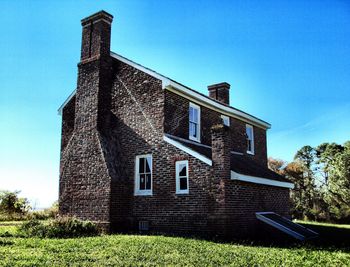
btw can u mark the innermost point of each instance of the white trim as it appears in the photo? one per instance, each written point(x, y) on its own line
point(198, 130)
point(187, 150)
point(252, 151)
point(224, 117)
point(137, 191)
point(178, 190)
point(60, 109)
point(137, 66)
point(259, 180)
point(209, 103)
point(237, 153)
point(192, 95)
point(180, 89)
point(191, 142)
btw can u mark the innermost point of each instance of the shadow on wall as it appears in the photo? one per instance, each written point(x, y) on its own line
point(120, 144)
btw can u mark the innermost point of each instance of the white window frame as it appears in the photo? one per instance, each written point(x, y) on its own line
point(198, 138)
point(144, 192)
point(177, 165)
point(225, 118)
point(248, 126)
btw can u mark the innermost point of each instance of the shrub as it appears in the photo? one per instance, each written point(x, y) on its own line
point(49, 213)
point(32, 228)
point(61, 227)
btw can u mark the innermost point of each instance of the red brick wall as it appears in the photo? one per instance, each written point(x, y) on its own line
point(120, 112)
point(244, 199)
point(68, 117)
point(137, 108)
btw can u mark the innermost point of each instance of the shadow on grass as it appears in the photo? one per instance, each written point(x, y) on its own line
point(330, 238)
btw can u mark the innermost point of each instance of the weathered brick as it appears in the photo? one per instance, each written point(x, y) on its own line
point(120, 112)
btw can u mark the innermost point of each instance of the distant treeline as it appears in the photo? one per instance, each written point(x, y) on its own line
point(321, 176)
point(13, 207)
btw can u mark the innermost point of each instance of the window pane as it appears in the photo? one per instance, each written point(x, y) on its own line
point(142, 182)
point(249, 145)
point(148, 164)
point(249, 133)
point(193, 129)
point(148, 182)
point(225, 120)
point(191, 114)
point(195, 115)
point(142, 165)
point(182, 170)
point(183, 183)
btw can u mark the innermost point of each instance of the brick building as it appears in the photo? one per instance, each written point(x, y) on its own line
point(140, 150)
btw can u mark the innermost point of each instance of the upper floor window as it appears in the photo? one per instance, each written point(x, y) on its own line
point(194, 122)
point(250, 139)
point(225, 120)
point(143, 175)
point(181, 169)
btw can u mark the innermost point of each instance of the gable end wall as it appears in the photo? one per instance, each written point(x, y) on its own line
point(176, 123)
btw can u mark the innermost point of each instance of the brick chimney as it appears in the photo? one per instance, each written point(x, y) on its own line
point(96, 37)
point(221, 157)
point(85, 178)
point(93, 98)
point(220, 92)
point(221, 150)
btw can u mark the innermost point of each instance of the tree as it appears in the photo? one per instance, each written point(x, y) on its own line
point(11, 204)
point(306, 158)
point(321, 178)
point(276, 165)
point(338, 189)
point(294, 171)
point(326, 154)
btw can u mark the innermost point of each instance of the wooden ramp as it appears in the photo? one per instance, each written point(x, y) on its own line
point(286, 226)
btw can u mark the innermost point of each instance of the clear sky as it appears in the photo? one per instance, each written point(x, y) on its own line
point(287, 62)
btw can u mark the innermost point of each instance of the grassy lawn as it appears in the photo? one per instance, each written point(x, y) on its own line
point(137, 250)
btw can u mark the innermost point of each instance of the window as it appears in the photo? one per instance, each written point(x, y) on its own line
point(194, 119)
point(225, 120)
point(250, 139)
point(181, 170)
point(143, 175)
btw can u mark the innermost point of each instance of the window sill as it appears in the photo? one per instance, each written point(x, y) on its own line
point(250, 153)
point(182, 193)
point(194, 139)
point(140, 193)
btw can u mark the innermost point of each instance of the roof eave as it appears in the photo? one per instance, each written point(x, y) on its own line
point(60, 109)
point(226, 110)
point(176, 87)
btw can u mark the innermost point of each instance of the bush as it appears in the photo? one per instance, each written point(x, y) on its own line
point(32, 228)
point(61, 227)
point(49, 213)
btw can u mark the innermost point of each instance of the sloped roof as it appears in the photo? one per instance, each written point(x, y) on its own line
point(240, 163)
point(170, 84)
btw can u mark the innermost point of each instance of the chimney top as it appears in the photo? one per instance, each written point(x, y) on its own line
point(96, 37)
point(101, 15)
point(219, 85)
point(220, 92)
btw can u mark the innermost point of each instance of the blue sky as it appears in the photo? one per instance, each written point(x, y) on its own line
point(287, 62)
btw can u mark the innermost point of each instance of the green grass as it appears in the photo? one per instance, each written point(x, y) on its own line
point(310, 223)
point(137, 250)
